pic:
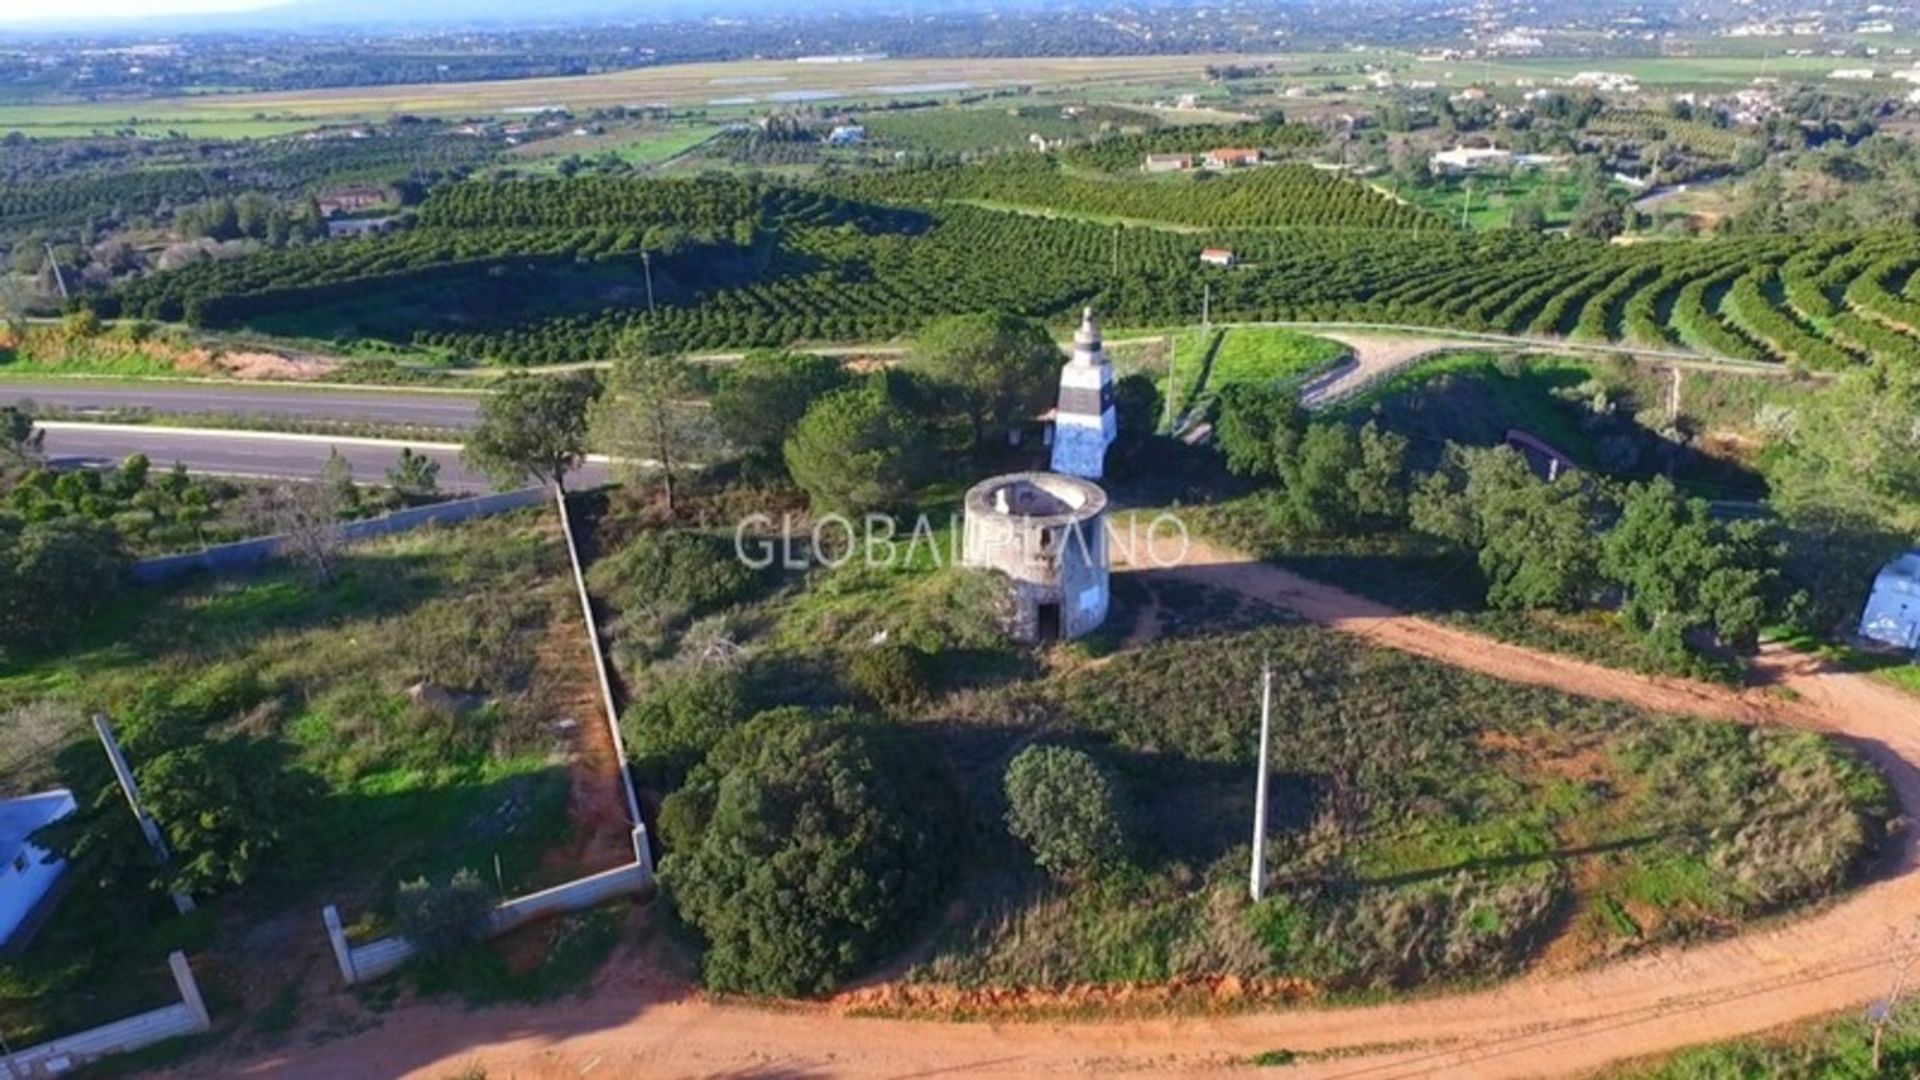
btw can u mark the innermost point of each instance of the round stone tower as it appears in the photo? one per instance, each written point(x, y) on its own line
point(1047, 533)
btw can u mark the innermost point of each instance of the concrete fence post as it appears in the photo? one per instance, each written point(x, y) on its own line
point(189, 991)
point(337, 936)
point(643, 852)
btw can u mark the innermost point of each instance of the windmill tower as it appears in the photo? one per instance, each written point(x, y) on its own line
point(1084, 424)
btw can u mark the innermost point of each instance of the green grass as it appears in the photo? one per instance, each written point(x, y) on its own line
point(327, 667)
point(1905, 677)
point(650, 148)
point(1206, 362)
point(68, 121)
point(573, 948)
point(1832, 1050)
point(1489, 198)
point(1472, 803)
point(958, 130)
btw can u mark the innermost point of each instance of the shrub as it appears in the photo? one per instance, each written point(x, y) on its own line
point(1066, 809)
point(442, 917)
point(670, 576)
point(802, 849)
point(894, 678)
point(676, 725)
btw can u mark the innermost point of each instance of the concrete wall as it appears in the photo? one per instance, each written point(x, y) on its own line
point(642, 849)
point(65, 1054)
point(245, 553)
point(360, 963)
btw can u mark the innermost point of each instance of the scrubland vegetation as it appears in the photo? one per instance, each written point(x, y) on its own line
point(301, 742)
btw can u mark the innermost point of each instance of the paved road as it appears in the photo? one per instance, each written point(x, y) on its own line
point(256, 454)
point(382, 406)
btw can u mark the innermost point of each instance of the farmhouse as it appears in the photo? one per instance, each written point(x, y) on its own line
point(350, 200)
point(29, 884)
point(1167, 163)
point(1469, 159)
point(1217, 256)
point(847, 135)
point(1232, 158)
point(1892, 616)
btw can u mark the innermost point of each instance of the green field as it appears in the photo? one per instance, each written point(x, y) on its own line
point(649, 148)
point(69, 121)
point(1489, 198)
point(958, 130)
point(1208, 361)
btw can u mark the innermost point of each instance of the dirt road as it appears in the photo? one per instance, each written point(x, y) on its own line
point(1375, 356)
point(1538, 1025)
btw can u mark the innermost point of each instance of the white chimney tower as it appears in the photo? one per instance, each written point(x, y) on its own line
point(1083, 424)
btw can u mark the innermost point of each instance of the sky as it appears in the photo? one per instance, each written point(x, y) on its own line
point(18, 11)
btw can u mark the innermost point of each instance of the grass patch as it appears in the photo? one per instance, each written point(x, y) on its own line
point(411, 686)
point(1427, 823)
point(1209, 361)
point(546, 961)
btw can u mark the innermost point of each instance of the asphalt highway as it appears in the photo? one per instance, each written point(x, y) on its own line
point(383, 406)
point(259, 454)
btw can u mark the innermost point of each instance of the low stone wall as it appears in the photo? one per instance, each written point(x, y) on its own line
point(246, 553)
point(63, 1055)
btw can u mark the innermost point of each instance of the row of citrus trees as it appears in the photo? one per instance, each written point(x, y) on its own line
point(815, 265)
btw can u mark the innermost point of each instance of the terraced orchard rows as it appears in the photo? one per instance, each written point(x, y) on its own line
point(754, 264)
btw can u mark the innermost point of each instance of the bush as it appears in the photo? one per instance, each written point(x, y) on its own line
point(676, 725)
point(672, 576)
point(894, 678)
point(440, 918)
point(53, 575)
point(1066, 809)
point(801, 850)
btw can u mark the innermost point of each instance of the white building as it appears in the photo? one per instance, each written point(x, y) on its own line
point(1605, 80)
point(1469, 158)
point(28, 882)
point(1853, 75)
point(1084, 424)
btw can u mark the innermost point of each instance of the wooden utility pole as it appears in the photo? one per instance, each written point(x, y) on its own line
point(1206, 309)
point(1258, 875)
point(131, 789)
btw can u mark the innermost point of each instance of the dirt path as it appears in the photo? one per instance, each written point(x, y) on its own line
point(1374, 357)
point(1536, 1025)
